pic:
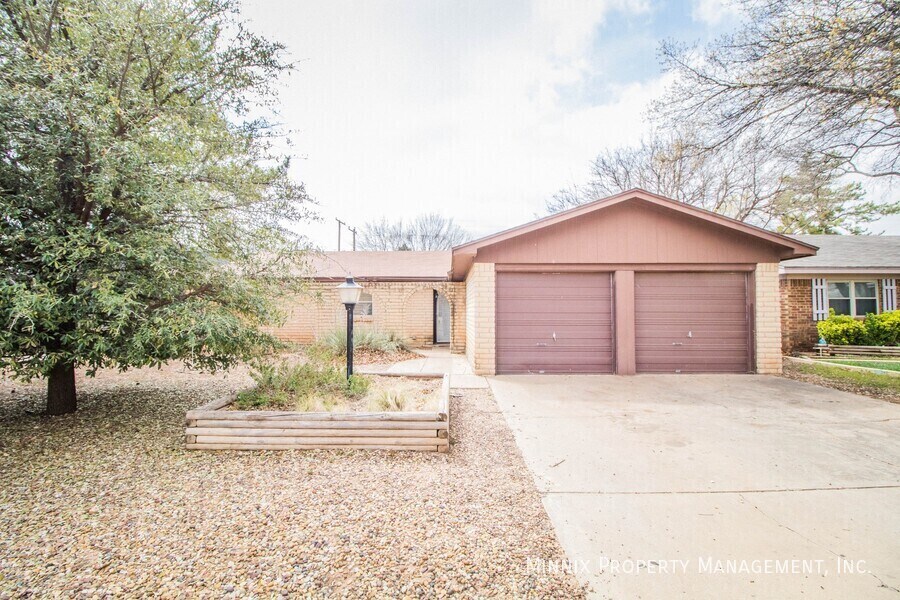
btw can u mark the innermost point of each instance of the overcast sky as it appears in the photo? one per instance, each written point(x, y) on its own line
point(478, 110)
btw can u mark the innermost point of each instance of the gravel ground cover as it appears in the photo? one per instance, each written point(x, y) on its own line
point(373, 359)
point(105, 502)
point(377, 358)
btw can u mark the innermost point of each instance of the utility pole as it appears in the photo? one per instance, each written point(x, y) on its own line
point(350, 229)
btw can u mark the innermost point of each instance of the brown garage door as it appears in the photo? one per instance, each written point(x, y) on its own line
point(554, 323)
point(691, 323)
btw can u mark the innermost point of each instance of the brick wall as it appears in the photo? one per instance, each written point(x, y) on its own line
point(480, 325)
point(768, 319)
point(798, 330)
point(403, 307)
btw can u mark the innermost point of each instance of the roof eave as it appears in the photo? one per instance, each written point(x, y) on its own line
point(817, 270)
point(375, 279)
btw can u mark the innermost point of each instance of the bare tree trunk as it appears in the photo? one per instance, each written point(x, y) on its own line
point(61, 397)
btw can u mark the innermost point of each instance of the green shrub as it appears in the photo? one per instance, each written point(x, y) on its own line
point(842, 330)
point(884, 329)
point(875, 330)
point(308, 386)
point(335, 341)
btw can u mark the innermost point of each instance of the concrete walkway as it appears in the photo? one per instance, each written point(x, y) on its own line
point(440, 361)
point(683, 486)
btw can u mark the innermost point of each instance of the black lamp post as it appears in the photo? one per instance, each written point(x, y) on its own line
point(349, 292)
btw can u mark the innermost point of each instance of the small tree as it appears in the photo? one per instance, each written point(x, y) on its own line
point(143, 215)
point(425, 232)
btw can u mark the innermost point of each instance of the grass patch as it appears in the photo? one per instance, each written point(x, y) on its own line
point(306, 387)
point(857, 379)
point(884, 365)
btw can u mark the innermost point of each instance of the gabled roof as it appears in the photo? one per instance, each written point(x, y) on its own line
point(848, 253)
point(384, 266)
point(464, 254)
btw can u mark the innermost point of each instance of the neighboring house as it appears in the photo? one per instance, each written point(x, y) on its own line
point(407, 293)
point(851, 274)
point(634, 283)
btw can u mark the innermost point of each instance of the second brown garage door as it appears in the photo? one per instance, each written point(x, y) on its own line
point(691, 323)
point(554, 323)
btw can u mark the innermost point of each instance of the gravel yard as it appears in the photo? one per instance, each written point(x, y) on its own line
point(106, 501)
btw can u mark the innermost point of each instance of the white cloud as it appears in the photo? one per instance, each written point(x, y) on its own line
point(714, 12)
point(408, 107)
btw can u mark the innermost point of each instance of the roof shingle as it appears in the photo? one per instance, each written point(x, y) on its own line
point(849, 252)
point(387, 266)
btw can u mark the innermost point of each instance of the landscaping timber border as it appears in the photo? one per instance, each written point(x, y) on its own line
point(210, 427)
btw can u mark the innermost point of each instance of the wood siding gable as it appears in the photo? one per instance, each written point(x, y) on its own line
point(633, 232)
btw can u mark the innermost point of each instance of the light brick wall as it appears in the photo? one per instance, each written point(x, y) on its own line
point(402, 307)
point(480, 324)
point(768, 319)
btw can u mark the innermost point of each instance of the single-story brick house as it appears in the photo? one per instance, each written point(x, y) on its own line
point(852, 274)
point(633, 283)
point(407, 293)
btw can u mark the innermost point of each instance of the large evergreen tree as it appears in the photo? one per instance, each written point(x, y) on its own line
point(144, 216)
point(813, 202)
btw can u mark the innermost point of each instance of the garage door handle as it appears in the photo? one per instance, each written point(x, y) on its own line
point(678, 343)
point(541, 344)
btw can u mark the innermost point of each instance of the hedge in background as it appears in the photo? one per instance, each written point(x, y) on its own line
point(875, 330)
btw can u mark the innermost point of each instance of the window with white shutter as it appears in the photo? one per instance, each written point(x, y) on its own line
point(820, 299)
point(888, 294)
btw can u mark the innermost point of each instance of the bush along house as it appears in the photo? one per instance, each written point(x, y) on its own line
point(852, 275)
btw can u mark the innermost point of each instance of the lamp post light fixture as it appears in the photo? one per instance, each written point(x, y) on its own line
point(349, 292)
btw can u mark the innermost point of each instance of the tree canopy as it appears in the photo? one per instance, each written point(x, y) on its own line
point(746, 180)
point(817, 77)
point(766, 125)
point(145, 216)
point(425, 232)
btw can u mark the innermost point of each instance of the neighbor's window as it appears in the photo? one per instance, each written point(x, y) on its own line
point(855, 298)
point(364, 306)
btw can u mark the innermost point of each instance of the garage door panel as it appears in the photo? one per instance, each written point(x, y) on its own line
point(518, 308)
point(558, 362)
point(580, 338)
point(691, 323)
point(562, 356)
point(698, 331)
point(554, 323)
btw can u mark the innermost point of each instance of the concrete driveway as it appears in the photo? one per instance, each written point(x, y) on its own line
point(713, 486)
